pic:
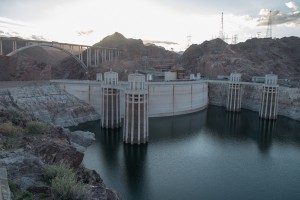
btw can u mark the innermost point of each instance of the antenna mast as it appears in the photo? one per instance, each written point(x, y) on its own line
point(269, 28)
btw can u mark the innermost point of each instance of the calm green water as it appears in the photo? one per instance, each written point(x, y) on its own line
point(207, 155)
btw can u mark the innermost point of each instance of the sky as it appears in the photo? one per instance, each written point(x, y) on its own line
point(173, 24)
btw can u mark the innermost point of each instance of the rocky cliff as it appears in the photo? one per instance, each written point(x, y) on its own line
point(288, 101)
point(48, 103)
point(255, 57)
point(30, 147)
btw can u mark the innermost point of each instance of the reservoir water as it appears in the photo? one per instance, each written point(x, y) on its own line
point(206, 155)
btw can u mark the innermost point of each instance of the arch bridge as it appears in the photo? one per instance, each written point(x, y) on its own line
point(85, 55)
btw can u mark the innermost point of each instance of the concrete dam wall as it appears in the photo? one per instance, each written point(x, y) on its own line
point(165, 98)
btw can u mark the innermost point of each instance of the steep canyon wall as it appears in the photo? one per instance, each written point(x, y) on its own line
point(288, 101)
point(49, 103)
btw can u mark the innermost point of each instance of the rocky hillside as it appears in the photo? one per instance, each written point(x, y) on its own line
point(255, 57)
point(132, 56)
point(47, 102)
point(44, 63)
point(44, 161)
point(39, 63)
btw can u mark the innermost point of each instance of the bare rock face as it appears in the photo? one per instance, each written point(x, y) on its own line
point(52, 153)
point(255, 57)
point(49, 103)
point(27, 157)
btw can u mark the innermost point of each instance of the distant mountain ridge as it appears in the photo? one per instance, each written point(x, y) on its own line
point(255, 57)
point(134, 48)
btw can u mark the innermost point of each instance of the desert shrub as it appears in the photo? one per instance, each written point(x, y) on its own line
point(36, 127)
point(64, 184)
point(52, 171)
point(17, 114)
point(5, 146)
point(25, 195)
point(9, 129)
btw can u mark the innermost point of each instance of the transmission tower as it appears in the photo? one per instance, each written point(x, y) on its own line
point(221, 33)
point(269, 28)
point(188, 40)
point(234, 39)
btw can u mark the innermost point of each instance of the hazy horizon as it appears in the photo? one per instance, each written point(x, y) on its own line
point(166, 22)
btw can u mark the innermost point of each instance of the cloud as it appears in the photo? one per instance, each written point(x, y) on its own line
point(278, 17)
point(292, 5)
point(82, 33)
point(159, 42)
point(37, 37)
point(4, 20)
point(9, 34)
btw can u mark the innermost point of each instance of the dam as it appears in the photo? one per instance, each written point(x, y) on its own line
point(178, 97)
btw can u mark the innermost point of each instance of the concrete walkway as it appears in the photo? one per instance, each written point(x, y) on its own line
point(4, 188)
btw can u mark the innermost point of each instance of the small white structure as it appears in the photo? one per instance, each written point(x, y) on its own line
point(234, 97)
point(198, 76)
point(170, 76)
point(192, 77)
point(149, 77)
point(136, 110)
point(269, 100)
point(99, 77)
point(110, 112)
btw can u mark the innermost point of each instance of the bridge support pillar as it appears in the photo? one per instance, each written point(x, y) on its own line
point(80, 53)
point(1, 48)
point(88, 57)
point(234, 97)
point(269, 101)
point(111, 115)
point(136, 111)
point(14, 45)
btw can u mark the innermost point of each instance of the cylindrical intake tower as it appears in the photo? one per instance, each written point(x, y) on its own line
point(136, 110)
point(269, 99)
point(234, 97)
point(110, 106)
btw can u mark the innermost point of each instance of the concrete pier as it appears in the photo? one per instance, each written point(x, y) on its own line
point(110, 107)
point(4, 188)
point(234, 97)
point(269, 100)
point(136, 111)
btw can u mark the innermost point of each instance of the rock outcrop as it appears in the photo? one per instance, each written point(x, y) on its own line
point(25, 158)
point(255, 57)
point(288, 99)
point(49, 103)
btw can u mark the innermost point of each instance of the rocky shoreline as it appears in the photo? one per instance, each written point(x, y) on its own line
point(27, 151)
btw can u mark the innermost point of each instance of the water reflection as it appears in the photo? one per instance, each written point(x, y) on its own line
point(135, 167)
point(233, 123)
point(110, 140)
point(227, 124)
point(176, 126)
point(266, 130)
point(242, 126)
point(190, 152)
